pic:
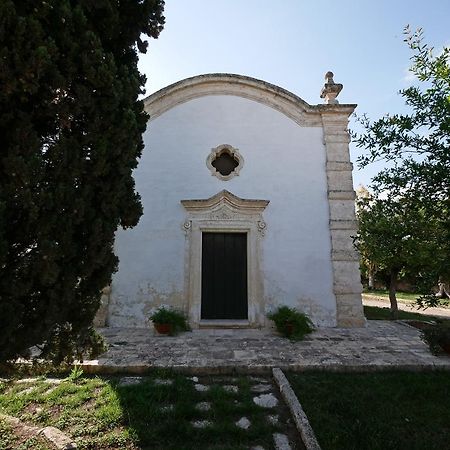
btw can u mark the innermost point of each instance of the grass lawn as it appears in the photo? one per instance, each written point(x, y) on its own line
point(6, 435)
point(377, 313)
point(13, 438)
point(100, 414)
point(383, 293)
point(382, 411)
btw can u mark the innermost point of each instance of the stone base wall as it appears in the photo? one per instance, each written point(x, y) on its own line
point(101, 318)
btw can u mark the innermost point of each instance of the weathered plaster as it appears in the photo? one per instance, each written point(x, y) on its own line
point(134, 311)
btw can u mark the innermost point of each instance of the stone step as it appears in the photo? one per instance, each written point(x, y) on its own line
point(224, 324)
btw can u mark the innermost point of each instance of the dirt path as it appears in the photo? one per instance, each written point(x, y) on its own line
point(373, 300)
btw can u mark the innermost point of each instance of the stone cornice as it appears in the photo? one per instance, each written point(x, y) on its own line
point(230, 84)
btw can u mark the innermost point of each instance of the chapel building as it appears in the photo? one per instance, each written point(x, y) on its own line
point(248, 205)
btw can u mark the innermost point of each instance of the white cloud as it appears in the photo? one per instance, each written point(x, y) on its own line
point(409, 77)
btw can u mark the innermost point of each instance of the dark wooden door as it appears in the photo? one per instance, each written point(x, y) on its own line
point(224, 276)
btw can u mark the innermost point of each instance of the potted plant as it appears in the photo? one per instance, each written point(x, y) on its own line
point(291, 323)
point(438, 337)
point(169, 321)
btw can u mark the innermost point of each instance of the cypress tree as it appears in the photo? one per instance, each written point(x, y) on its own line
point(70, 135)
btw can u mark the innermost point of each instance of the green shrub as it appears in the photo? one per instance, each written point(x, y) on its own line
point(291, 323)
point(437, 336)
point(177, 319)
point(76, 373)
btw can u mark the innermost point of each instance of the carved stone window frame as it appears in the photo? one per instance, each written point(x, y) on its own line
point(224, 213)
point(219, 150)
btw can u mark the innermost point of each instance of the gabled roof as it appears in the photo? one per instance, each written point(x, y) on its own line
point(238, 85)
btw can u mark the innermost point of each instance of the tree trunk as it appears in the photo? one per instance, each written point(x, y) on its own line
point(371, 280)
point(443, 290)
point(392, 292)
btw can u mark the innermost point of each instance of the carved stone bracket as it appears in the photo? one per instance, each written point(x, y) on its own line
point(262, 227)
point(187, 226)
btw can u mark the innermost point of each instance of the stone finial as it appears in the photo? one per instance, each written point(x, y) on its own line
point(330, 90)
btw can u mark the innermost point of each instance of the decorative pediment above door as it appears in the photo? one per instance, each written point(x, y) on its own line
point(225, 199)
point(225, 206)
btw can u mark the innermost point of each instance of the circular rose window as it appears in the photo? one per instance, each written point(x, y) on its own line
point(225, 162)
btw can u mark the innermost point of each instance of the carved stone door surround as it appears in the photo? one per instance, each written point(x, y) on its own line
point(224, 213)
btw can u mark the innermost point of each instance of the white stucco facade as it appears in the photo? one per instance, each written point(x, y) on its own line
point(286, 162)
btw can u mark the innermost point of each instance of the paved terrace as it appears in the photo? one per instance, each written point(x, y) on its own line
point(381, 345)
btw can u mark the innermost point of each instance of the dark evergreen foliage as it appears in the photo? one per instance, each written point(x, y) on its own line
point(71, 133)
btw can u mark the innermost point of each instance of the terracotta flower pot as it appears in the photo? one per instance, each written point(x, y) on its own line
point(163, 328)
point(445, 346)
point(289, 328)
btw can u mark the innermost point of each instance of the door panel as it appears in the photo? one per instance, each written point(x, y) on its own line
point(224, 276)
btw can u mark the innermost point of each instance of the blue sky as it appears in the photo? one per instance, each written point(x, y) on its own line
point(292, 43)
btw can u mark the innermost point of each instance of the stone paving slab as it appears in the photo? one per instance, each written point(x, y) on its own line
point(379, 346)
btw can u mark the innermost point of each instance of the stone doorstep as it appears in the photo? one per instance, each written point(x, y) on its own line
point(224, 324)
